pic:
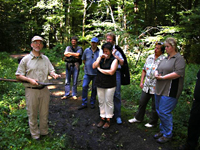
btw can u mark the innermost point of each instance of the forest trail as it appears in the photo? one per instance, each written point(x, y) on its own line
point(81, 131)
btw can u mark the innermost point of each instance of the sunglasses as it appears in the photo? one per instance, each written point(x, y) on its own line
point(92, 55)
point(159, 43)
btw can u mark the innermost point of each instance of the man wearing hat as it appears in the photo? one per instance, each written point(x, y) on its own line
point(32, 68)
point(89, 57)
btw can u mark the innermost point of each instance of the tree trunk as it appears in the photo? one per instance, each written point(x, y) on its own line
point(113, 20)
point(84, 17)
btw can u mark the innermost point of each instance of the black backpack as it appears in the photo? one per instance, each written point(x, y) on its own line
point(73, 59)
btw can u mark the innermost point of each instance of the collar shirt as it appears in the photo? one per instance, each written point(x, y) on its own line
point(150, 67)
point(90, 57)
point(78, 49)
point(171, 87)
point(37, 68)
point(117, 53)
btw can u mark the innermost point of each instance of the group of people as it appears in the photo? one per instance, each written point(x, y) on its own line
point(161, 80)
point(163, 84)
point(102, 67)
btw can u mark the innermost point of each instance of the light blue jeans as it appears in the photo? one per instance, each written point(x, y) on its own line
point(72, 71)
point(164, 107)
point(86, 81)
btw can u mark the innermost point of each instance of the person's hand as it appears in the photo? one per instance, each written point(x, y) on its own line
point(113, 52)
point(156, 73)
point(141, 85)
point(33, 81)
point(159, 77)
point(55, 76)
point(104, 56)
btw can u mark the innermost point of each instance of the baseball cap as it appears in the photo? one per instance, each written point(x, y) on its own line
point(37, 38)
point(95, 39)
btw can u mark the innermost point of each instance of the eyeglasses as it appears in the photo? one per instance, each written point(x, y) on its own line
point(37, 42)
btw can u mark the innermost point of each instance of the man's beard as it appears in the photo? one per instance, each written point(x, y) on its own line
point(37, 50)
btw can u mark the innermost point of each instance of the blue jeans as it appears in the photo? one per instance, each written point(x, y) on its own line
point(85, 86)
point(117, 95)
point(72, 71)
point(164, 107)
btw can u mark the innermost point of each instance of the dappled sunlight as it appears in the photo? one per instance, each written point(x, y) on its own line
point(52, 87)
point(50, 77)
point(58, 93)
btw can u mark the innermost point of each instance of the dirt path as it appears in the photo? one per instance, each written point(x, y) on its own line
point(82, 133)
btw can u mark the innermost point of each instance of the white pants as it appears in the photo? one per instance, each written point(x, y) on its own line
point(106, 105)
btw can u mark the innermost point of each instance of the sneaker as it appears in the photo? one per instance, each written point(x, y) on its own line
point(163, 140)
point(134, 120)
point(74, 97)
point(119, 120)
point(148, 125)
point(65, 97)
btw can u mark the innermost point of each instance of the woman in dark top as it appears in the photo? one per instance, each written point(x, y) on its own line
point(106, 84)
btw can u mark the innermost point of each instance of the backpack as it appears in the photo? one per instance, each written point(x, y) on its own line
point(73, 59)
point(125, 75)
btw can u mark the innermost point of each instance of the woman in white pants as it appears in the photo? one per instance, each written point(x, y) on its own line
point(106, 84)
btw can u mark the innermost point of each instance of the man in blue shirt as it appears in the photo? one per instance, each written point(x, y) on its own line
point(89, 57)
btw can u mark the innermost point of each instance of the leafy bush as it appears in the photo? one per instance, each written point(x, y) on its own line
point(56, 53)
point(8, 66)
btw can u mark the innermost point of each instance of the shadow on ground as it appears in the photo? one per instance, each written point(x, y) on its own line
point(82, 133)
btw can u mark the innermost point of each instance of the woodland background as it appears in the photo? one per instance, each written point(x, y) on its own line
point(138, 24)
point(58, 20)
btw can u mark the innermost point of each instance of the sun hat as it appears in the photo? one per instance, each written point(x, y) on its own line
point(37, 38)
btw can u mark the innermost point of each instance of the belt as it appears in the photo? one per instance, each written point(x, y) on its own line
point(118, 69)
point(38, 88)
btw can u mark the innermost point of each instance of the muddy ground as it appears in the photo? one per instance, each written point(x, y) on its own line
point(82, 133)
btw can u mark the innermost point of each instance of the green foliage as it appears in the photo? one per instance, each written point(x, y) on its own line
point(190, 33)
point(56, 53)
point(8, 67)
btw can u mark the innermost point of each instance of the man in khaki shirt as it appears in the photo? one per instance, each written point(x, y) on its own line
point(32, 68)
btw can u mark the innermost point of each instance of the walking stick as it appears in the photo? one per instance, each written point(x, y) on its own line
point(40, 83)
